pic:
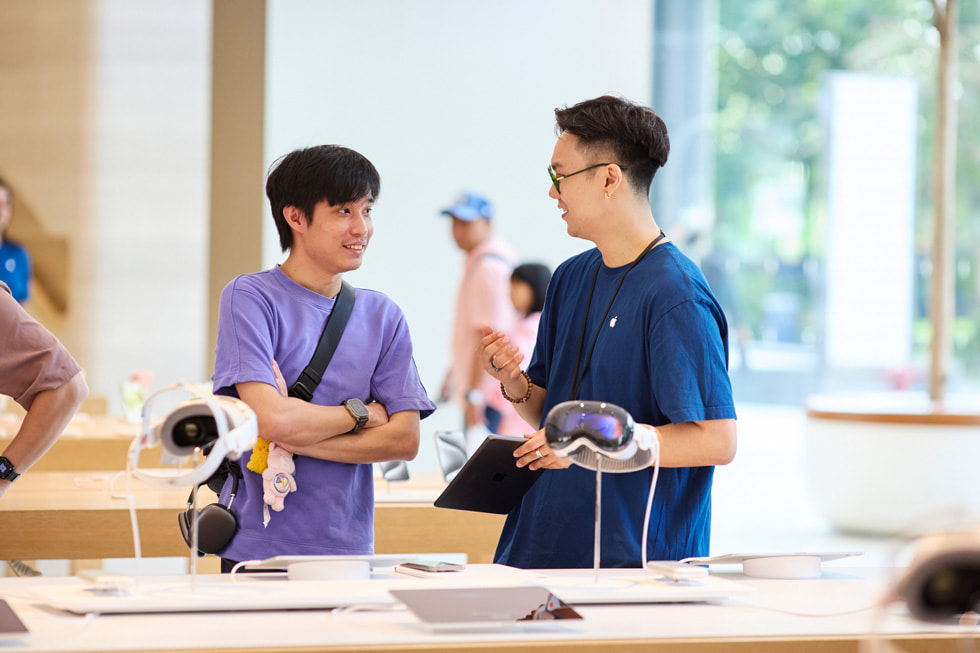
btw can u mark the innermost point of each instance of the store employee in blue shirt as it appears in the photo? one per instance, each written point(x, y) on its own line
point(631, 322)
point(15, 262)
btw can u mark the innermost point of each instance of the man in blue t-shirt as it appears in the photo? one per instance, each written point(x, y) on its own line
point(367, 406)
point(631, 322)
point(15, 262)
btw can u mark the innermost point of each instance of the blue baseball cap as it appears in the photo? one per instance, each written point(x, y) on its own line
point(470, 206)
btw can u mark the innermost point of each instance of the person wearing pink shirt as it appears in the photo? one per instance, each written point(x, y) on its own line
point(528, 285)
point(483, 297)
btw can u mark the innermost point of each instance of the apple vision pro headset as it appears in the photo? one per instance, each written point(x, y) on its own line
point(598, 435)
point(603, 437)
point(220, 427)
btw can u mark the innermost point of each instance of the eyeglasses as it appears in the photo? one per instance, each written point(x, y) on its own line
point(556, 178)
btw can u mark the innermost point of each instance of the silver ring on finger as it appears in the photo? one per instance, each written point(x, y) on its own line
point(538, 453)
point(493, 365)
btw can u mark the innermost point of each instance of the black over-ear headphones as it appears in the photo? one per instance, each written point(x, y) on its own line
point(216, 524)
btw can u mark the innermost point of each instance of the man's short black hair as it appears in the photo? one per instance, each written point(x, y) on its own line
point(305, 177)
point(634, 136)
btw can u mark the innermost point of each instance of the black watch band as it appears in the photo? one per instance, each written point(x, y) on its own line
point(359, 412)
point(7, 471)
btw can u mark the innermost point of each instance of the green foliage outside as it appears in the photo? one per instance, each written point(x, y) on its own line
point(772, 56)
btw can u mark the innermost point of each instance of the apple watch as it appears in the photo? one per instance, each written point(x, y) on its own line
point(359, 412)
point(7, 471)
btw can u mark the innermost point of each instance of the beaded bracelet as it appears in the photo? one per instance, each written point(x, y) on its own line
point(527, 395)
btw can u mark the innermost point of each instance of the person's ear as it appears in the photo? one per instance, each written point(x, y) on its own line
point(295, 217)
point(614, 179)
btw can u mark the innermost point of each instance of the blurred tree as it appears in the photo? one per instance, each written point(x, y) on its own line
point(943, 305)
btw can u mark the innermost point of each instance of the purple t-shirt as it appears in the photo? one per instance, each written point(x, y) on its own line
point(265, 316)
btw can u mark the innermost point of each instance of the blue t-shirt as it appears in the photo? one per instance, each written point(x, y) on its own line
point(265, 316)
point(663, 356)
point(15, 269)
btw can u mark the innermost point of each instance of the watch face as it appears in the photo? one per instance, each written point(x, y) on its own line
point(359, 412)
point(357, 408)
point(6, 468)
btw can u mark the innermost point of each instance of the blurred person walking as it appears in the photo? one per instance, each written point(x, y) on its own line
point(483, 297)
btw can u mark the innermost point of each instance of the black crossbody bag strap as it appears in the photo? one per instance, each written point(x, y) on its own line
point(332, 330)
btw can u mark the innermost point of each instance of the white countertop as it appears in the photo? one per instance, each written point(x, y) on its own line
point(838, 605)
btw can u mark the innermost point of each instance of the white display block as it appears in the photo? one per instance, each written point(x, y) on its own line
point(871, 129)
point(891, 479)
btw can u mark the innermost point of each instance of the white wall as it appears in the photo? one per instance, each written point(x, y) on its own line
point(444, 95)
point(148, 272)
point(440, 94)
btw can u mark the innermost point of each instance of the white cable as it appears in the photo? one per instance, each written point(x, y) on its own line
point(115, 494)
point(653, 488)
point(195, 530)
point(598, 520)
point(239, 565)
point(131, 498)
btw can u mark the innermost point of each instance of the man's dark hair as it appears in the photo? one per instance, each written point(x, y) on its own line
point(633, 135)
point(304, 178)
point(537, 276)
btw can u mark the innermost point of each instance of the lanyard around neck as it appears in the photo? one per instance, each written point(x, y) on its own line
point(579, 376)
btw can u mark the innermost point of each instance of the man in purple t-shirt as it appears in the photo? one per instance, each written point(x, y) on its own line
point(321, 200)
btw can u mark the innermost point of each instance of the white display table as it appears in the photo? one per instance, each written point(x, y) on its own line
point(780, 615)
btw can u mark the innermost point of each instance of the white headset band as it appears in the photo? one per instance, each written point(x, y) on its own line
point(147, 438)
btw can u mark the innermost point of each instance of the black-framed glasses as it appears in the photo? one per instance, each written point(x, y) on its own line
point(557, 178)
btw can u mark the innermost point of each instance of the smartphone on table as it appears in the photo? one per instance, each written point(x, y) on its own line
point(425, 568)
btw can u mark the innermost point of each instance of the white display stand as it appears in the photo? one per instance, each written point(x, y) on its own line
point(797, 565)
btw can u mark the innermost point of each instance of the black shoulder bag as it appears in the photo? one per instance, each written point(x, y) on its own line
point(216, 522)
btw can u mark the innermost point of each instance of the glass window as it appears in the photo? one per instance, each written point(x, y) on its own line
point(774, 190)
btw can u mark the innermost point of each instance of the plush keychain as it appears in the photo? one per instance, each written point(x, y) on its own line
point(259, 459)
point(278, 480)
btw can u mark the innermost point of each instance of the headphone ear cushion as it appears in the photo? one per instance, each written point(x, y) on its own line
point(216, 526)
point(184, 521)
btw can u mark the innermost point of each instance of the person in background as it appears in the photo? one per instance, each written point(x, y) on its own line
point(367, 407)
point(631, 322)
point(483, 297)
point(15, 262)
point(38, 373)
point(528, 285)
